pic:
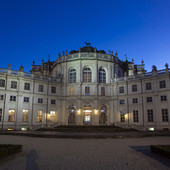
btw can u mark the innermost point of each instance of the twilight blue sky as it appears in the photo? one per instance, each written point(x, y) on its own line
point(32, 29)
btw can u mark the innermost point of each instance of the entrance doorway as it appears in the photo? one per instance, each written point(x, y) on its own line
point(87, 111)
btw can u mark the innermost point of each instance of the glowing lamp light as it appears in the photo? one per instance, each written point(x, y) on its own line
point(10, 129)
point(23, 128)
point(151, 129)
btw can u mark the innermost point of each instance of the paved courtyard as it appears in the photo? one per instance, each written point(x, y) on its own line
point(84, 154)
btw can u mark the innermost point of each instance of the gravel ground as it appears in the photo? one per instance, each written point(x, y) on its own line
point(84, 154)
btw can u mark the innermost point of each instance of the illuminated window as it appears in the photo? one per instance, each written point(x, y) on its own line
point(102, 76)
point(122, 117)
point(102, 91)
point(71, 114)
point(0, 115)
point(148, 86)
point(71, 91)
point(12, 98)
point(2, 83)
point(52, 116)
point(53, 89)
point(13, 84)
point(72, 76)
point(26, 99)
point(162, 84)
point(40, 88)
point(134, 88)
point(24, 115)
point(165, 115)
point(11, 115)
point(40, 100)
point(150, 115)
point(121, 89)
point(27, 86)
point(87, 90)
point(39, 116)
point(87, 75)
point(163, 98)
point(1, 97)
point(53, 101)
point(135, 116)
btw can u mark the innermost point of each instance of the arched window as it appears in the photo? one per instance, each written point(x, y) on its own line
point(87, 75)
point(72, 76)
point(102, 76)
point(71, 114)
point(102, 114)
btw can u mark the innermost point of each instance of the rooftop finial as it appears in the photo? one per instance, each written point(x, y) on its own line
point(142, 62)
point(132, 60)
point(166, 65)
point(48, 57)
point(126, 56)
point(116, 54)
point(59, 54)
point(33, 63)
point(109, 51)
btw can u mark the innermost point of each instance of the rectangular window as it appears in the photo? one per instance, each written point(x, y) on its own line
point(40, 88)
point(1, 97)
point(2, 83)
point(162, 84)
point(13, 84)
point(26, 99)
point(121, 89)
point(134, 88)
point(135, 100)
point(148, 86)
point(53, 101)
point(39, 116)
point(163, 98)
point(122, 101)
point(40, 100)
point(0, 115)
point(102, 91)
point(12, 98)
point(24, 115)
point(135, 116)
point(150, 115)
point(122, 117)
point(53, 89)
point(165, 115)
point(71, 91)
point(87, 90)
point(11, 115)
point(149, 99)
point(27, 86)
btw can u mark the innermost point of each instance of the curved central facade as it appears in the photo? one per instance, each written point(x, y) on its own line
point(85, 87)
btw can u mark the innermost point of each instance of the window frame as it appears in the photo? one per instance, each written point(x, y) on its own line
point(13, 84)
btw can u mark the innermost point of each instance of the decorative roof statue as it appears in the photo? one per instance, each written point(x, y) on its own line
point(142, 62)
point(154, 68)
point(21, 68)
point(166, 65)
point(111, 52)
point(59, 54)
point(87, 44)
point(116, 54)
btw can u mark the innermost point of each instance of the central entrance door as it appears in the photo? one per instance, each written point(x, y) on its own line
point(87, 118)
point(87, 111)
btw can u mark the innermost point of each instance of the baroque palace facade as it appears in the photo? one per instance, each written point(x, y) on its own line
point(85, 87)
